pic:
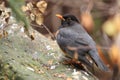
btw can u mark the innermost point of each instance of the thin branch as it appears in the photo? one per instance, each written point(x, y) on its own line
point(52, 35)
point(42, 25)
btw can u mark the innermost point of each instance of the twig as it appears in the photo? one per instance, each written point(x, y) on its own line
point(52, 35)
point(42, 25)
point(90, 5)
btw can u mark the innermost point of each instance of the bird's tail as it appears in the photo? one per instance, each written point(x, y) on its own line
point(95, 57)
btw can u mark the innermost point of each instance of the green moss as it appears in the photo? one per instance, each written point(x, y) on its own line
point(23, 59)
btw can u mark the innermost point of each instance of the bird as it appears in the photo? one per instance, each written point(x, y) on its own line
point(76, 43)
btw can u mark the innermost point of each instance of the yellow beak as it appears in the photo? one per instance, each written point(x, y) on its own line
point(60, 16)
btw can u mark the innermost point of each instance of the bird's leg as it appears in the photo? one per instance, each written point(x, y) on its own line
point(85, 61)
point(86, 64)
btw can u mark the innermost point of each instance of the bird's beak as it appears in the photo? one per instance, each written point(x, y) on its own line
point(60, 16)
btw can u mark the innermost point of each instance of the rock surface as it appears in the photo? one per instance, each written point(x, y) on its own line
point(24, 59)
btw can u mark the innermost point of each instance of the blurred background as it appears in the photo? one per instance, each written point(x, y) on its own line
point(100, 18)
point(91, 13)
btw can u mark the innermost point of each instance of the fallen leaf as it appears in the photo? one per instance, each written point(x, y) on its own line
point(62, 75)
point(40, 71)
point(1, 35)
point(24, 8)
point(39, 19)
point(109, 28)
point(29, 6)
point(32, 17)
point(69, 78)
point(5, 33)
point(115, 54)
point(50, 62)
point(116, 21)
point(42, 5)
point(87, 21)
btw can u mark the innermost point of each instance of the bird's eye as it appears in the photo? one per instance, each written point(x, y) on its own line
point(69, 19)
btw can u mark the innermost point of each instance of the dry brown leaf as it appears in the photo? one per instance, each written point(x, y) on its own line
point(5, 14)
point(115, 55)
point(109, 28)
point(50, 62)
point(35, 11)
point(32, 17)
point(69, 78)
point(39, 19)
point(112, 25)
point(24, 8)
point(42, 5)
point(2, 5)
point(62, 75)
point(40, 72)
point(87, 21)
point(5, 33)
point(116, 21)
point(1, 35)
point(29, 6)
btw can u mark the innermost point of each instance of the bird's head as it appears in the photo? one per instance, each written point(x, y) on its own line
point(67, 19)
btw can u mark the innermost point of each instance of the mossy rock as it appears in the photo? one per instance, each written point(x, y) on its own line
point(24, 59)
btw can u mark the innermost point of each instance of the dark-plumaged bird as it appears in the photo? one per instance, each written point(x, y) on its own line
point(76, 43)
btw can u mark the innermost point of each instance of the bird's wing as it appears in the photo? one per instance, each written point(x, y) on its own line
point(75, 39)
point(81, 37)
point(81, 41)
